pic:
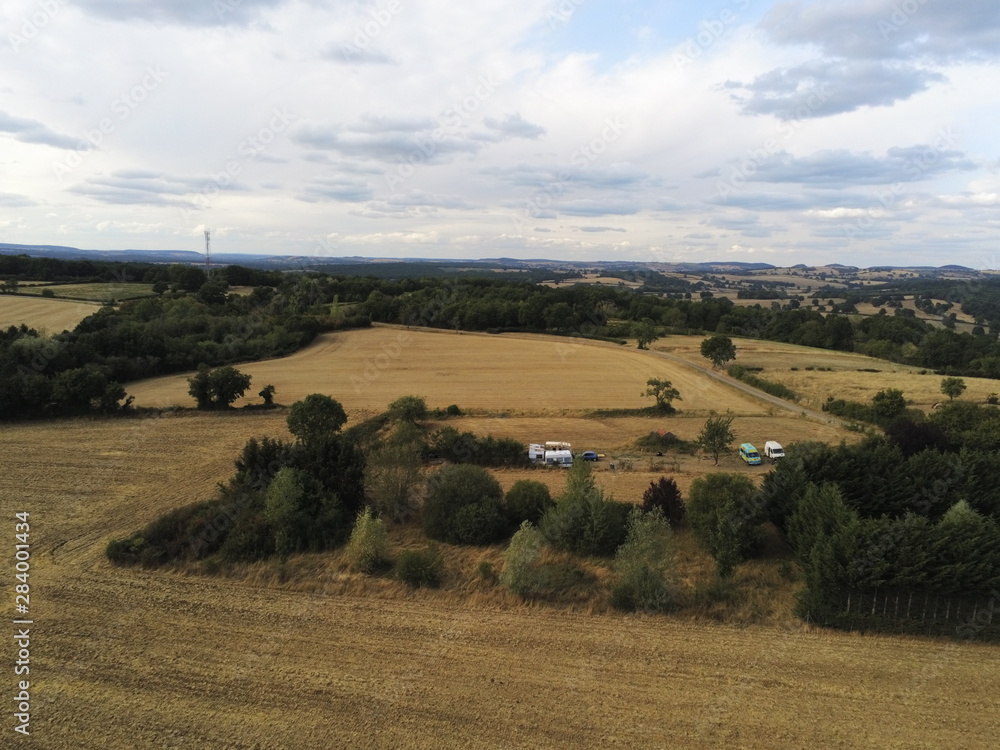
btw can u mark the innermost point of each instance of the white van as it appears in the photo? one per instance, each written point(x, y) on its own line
point(562, 458)
point(773, 450)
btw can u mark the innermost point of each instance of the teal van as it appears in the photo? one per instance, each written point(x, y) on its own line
point(749, 454)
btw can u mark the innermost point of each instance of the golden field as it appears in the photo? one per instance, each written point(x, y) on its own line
point(310, 656)
point(43, 314)
point(847, 378)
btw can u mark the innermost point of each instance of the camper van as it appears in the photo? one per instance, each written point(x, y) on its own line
point(536, 453)
point(773, 450)
point(562, 458)
point(749, 454)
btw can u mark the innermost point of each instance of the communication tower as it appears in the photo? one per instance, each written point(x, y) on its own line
point(208, 252)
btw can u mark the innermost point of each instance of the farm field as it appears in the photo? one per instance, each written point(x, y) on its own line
point(541, 375)
point(851, 376)
point(151, 659)
point(97, 292)
point(50, 315)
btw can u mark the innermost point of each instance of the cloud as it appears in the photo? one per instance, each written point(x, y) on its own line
point(32, 131)
point(339, 188)
point(841, 168)
point(142, 187)
point(600, 229)
point(418, 142)
point(180, 12)
point(889, 29)
point(348, 54)
point(821, 88)
point(15, 200)
point(621, 176)
point(514, 126)
point(873, 53)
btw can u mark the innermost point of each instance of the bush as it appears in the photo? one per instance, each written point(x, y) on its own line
point(726, 515)
point(453, 411)
point(368, 548)
point(463, 506)
point(527, 500)
point(466, 448)
point(665, 496)
point(642, 562)
point(521, 572)
point(741, 372)
point(583, 521)
point(420, 567)
point(392, 478)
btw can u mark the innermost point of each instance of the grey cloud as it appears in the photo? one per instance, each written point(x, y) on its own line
point(587, 207)
point(615, 177)
point(348, 54)
point(32, 131)
point(15, 200)
point(180, 12)
point(837, 168)
point(421, 198)
point(140, 187)
point(426, 146)
point(514, 126)
point(344, 189)
point(884, 29)
point(600, 229)
point(821, 88)
point(872, 52)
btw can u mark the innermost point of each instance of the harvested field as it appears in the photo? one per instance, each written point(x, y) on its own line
point(852, 376)
point(130, 658)
point(43, 314)
point(366, 369)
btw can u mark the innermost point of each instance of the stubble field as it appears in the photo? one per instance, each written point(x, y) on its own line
point(42, 314)
point(129, 658)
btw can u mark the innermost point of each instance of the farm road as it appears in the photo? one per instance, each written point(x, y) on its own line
point(750, 390)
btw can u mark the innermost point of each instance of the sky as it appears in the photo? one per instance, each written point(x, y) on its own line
point(861, 132)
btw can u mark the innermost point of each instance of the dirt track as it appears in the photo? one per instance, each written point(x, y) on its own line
point(134, 659)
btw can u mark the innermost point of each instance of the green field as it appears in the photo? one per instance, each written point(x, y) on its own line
point(106, 292)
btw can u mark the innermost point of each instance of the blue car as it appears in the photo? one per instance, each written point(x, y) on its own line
point(588, 456)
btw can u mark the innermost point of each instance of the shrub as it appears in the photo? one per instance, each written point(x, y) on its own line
point(665, 496)
point(420, 567)
point(521, 572)
point(408, 409)
point(583, 521)
point(725, 515)
point(463, 506)
point(368, 548)
point(392, 477)
point(453, 411)
point(527, 500)
point(642, 562)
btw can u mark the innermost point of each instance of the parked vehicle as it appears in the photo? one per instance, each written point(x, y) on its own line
point(536, 453)
point(773, 450)
point(562, 458)
point(749, 454)
point(589, 456)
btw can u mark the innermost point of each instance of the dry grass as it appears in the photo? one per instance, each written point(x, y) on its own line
point(311, 655)
point(367, 369)
point(847, 378)
point(43, 314)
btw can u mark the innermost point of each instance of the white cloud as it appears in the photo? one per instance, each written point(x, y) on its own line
point(475, 130)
